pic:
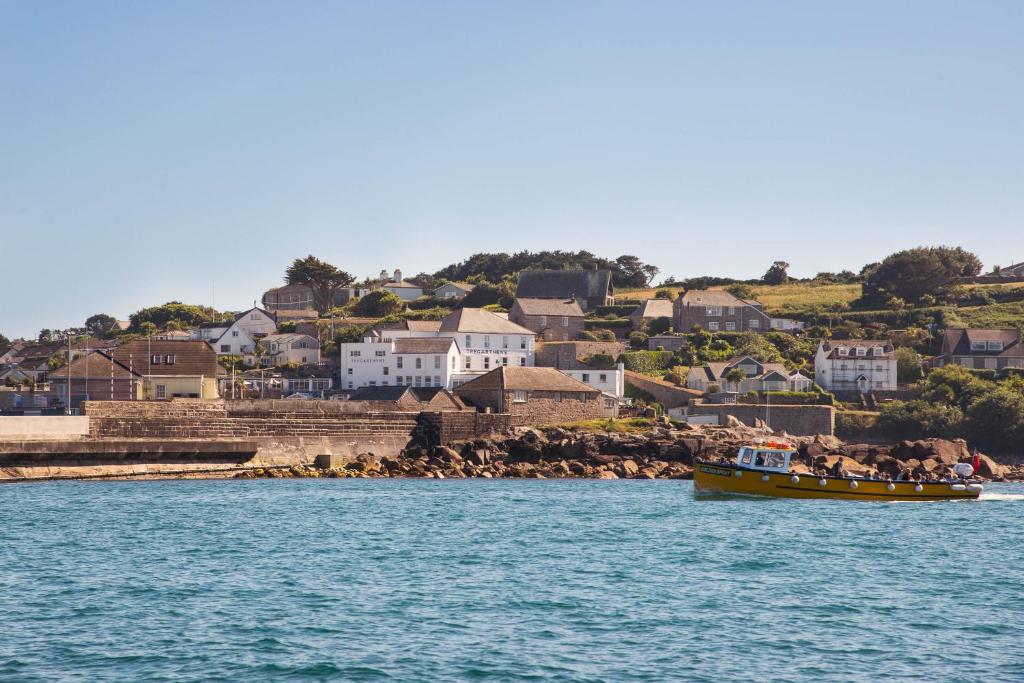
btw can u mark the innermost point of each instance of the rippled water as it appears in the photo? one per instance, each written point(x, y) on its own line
point(421, 580)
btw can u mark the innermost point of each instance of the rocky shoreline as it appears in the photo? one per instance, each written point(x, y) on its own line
point(666, 451)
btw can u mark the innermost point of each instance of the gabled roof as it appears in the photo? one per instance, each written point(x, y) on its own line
point(564, 284)
point(959, 342)
point(396, 393)
point(94, 365)
point(480, 321)
point(411, 326)
point(713, 297)
point(552, 307)
point(433, 345)
point(511, 378)
point(401, 284)
point(287, 337)
point(654, 308)
point(464, 286)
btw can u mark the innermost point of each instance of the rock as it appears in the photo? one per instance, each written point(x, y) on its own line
point(629, 468)
point(486, 475)
point(989, 468)
point(607, 474)
point(479, 457)
point(647, 473)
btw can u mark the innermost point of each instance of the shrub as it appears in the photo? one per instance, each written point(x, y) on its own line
point(919, 420)
point(854, 425)
point(653, 363)
point(377, 304)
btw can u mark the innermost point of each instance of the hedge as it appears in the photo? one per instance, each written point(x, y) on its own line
point(854, 425)
point(654, 363)
point(610, 324)
point(621, 310)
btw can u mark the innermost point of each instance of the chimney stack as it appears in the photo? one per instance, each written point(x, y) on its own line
point(398, 275)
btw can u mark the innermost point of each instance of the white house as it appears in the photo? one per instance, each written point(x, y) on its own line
point(482, 341)
point(411, 361)
point(453, 290)
point(281, 349)
point(855, 365)
point(610, 382)
point(406, 291)
point(238, 337)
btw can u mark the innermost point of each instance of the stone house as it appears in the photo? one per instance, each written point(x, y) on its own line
point(549, 319)
point(981, 349)
point(716, 310)
point(169, 369)
point(534, 396)
point(591, 288)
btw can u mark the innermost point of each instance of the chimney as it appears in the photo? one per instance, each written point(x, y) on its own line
point(383, 275)
point(398, 275)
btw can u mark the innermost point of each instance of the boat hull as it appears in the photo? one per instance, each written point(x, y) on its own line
point(722, 478)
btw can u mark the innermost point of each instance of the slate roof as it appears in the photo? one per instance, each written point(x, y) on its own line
point(288, 338)
point(412, 326)
point(713, 297)
point(959, 342)
point(654, 308)
point(464, 286)
point(480, 321)
point(564, 284)
point(433, 345)
point(94, 365)
point(831, 348)
point(550, 307)
point(191, 357)
point(396, 393)
point(511, 378)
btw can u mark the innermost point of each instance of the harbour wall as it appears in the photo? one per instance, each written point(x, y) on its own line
point(43, 427)
point(795, 420)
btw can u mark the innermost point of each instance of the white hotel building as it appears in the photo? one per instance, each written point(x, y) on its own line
point(464, 345)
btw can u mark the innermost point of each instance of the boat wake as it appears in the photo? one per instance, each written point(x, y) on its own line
point(1000, 496)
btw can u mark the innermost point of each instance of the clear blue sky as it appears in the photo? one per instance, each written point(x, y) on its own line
point(150, 149)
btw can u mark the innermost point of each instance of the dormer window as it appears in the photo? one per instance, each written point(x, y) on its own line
point(861, 351)
point(843, 351)
point(979, 346)
point(995, 346)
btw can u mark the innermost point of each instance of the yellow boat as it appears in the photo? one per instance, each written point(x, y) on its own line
point(763, 470)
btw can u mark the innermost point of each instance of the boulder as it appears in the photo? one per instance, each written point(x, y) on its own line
point(629, 468)
point(989, 468)
point(607, 474)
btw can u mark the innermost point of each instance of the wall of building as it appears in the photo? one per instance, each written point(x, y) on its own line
point(665, 393)
point(549, 327)
point(742, 319)
point(43, 427)
point(566, 355)
point(795, 420)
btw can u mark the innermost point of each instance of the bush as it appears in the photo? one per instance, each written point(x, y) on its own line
point(854, 425)
point(378, 304)
point(654, 363)
point(617, 311)
point(610, 323)
point(600, 361)
point(673, 377)
point(996, 421)
point(919, 420)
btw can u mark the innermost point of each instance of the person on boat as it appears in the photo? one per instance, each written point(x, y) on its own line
point(837, 468)
point(759, 460)
point(976, 462)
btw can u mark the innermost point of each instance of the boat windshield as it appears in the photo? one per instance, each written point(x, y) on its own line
point(774, 459)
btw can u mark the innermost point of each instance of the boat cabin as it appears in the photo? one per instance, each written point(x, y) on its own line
point(768, 457)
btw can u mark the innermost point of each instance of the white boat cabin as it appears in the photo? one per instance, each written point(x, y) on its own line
point(770, 458)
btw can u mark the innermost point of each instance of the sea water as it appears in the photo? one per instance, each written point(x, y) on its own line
point(567, 580)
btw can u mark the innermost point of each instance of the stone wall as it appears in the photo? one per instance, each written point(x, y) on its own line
point(665, 393)
point(444, 427)
point(178, 407)
point(795, 420)
point(566, 355)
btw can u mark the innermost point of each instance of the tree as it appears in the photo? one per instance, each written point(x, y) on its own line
point(378, 304)
point(908, 366)
point(996, 420)
point(659, 326)
point(189, 315)
point(630, 271)
point(777, 274)
point(741, 291)
point(913, 273)
point(758, 347)
point(99, 325)
point(919, 420)
point(4, 341)
point(321, 277)
point(147, 329)
point(663, 294)
point(734, 376)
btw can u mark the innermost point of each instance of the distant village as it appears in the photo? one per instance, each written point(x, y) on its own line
point(552, 346)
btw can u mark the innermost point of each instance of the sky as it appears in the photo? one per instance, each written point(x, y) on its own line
point(157, 151)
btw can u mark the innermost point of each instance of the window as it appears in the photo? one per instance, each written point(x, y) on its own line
point(731, 310)
point(978, 346)
point(861, 351)
point(419, 363)
point(730, 326)
point(713, 326)
point(843, 351)
point(426, 381)
point(169, 359)
point(437, 362)
point(468, 340)
point(155, 360)
point(385, 370)
point(399, 362)
point(408, 380)
point(714, 311)
point(380, 354)
point(522, 342)
point(234, 333)
point(453, 362)
point(602, 378)
point(469, 362)
point(419, 380)
point(355, 354)
point(755, 324)
point(543, 321)
point(556, 397)
point(519, 396)
point(586, 378)
point(254, 316)
point(565, 321)
point(504, 342)
point(437, 380)
point(487, 362)
point(995, 346)
point(161, 391)
point(522, 362)
point(350, 371)
point(373, 383)
point(487, 341)
point(504, 361)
